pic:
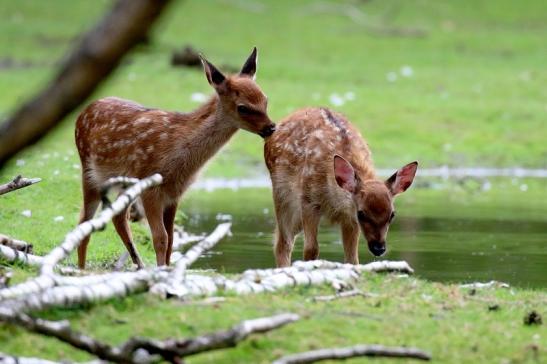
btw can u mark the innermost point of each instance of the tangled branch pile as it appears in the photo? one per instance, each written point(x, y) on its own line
point(52, 288)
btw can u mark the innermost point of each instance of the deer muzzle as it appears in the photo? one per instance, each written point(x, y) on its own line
point(267, 130)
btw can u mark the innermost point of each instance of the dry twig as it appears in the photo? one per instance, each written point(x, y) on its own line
point(352, 352)
point(17, 183)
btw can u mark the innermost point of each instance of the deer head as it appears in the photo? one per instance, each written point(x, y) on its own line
point(373, 200)
point(241, 99)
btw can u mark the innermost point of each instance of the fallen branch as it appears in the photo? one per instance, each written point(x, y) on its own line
point(197, 250)
point(352, 352)
point(170, 349)
point(175, 280)
point(343, 294)
point(15, 244)
point(491, 284)
point(47, 278)
point(146, 350)
point(13, 255)
point(17, 183)
point(74, 238)
point(7, 359)
point(181, 239)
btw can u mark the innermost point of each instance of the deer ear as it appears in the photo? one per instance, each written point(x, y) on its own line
point(249, 68)
point(344, 174)
point(402, 179)
point(214, 76)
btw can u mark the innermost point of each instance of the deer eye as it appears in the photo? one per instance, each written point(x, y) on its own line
point(244, 110)
point(392, 216)
point(361, 216)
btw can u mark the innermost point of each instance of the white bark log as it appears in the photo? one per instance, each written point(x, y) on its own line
point(352, 352)
point(8, 359)
point(176, 277)
point(491, 284)
point(17, 183)
point(13, 255)
point(47, 278)
point(15, 244)
point(68, 291)
point(74, 238)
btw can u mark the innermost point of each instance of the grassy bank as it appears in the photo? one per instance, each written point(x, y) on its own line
point(455, 325)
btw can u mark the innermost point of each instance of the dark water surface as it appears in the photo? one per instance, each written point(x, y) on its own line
point(451, 248)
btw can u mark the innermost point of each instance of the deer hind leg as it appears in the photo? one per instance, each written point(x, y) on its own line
point(310, 223)
point(169, 222)
point(92, 200)
point(154, 209)
point(350, 238)
point(121, 224)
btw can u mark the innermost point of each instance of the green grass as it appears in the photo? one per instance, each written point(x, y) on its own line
point(476, 98)
point(445, 320)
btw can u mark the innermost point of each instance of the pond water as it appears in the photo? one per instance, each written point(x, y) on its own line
point(502, 237)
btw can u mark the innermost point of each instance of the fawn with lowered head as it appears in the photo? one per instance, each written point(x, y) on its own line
point(117, 137)
point(321, 166)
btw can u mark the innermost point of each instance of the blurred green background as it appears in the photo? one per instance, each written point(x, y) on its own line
point(460, 83)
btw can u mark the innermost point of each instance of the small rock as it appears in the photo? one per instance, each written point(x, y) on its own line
point(494, 307)
point(533, 318)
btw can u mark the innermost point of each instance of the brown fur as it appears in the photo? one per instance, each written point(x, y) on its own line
point(118, 137)
point(300, 157)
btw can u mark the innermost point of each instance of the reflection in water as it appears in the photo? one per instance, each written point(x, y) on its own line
point(441, 249)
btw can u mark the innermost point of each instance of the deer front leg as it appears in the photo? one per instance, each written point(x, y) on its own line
point(350, 238)
point(154, 214)
point(310, 223)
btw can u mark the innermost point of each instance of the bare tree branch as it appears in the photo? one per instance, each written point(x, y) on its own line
point(15, 244)
point(14, 255)
point(132, 350)
point(479, 285)
point(17, 183)
point(343, 294)
point(169, 349)
point(352, 352)
point(47, 278)
point(97, 55)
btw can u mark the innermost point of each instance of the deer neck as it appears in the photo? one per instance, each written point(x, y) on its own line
point(205, 131)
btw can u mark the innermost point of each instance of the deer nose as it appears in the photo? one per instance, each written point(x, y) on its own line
point(378, 248)
point(267, 130)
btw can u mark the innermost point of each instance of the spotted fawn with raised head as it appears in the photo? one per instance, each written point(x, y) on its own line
point(321, 166)
point(117, 137)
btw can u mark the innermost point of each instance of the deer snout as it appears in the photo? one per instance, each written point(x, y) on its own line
point(267, 130)
point(377, 248)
